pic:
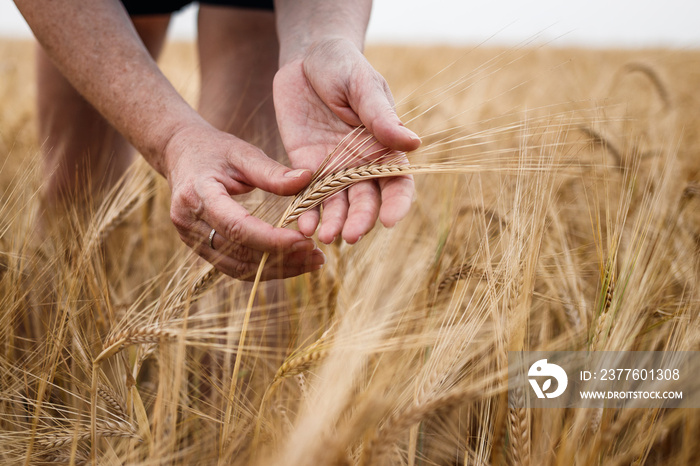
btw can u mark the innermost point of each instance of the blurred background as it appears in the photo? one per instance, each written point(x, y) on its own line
point(595, 23)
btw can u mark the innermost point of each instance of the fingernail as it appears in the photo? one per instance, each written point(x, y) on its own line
point(319, 258)
point(303, 245)
point(413, 136)
point(296, 173)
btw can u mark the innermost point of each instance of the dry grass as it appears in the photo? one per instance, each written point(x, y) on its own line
point(557, 208)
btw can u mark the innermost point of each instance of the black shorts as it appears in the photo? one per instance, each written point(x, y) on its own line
point(161, 7)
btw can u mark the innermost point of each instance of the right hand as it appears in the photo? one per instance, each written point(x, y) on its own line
point(320, 98)
point(204, 168)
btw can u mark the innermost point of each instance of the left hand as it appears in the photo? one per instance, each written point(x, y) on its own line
point(319, 98)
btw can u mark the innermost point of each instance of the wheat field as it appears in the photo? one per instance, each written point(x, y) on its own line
point(557, 208)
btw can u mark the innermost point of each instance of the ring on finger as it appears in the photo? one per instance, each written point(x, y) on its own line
point(211, 238)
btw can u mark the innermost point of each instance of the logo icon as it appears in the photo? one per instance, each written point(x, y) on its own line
point(542, 368)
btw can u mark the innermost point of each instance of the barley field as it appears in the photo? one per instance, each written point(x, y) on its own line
point(557, 208)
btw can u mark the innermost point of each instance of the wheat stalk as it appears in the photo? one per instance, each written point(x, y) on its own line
point(376, 446)
point(122, 200)
point(599, 139)
point(104, 428)
point(654, 78)
point(291, 367)
point(602, 330)
point(323, 188)
point(117, 217)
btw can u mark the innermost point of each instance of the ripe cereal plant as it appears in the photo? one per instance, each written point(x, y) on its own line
point(557, 209)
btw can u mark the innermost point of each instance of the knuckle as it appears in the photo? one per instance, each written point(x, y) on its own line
point(186, 198)
point(179, 220)
point(232, 270)
point(270, 171)
point(235, 229)
point(244, 254)
point(240, 270)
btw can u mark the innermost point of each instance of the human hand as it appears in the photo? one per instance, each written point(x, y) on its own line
point(319, 98)
point(204, 168)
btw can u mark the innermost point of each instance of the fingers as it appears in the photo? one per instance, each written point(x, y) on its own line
point(335, 213)
point(342, 89)
point(397, 197)
point(355, 211)
point(308, 222)
point(372, 101)
point(356, 93)
point(362, 214)
point(240, 239)
point(242, 263)
point(257, 169)
point(237, 226)
point(277, 266)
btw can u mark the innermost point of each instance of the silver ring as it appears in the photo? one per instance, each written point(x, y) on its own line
point(211, 238)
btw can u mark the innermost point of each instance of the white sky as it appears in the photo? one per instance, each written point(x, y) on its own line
point(593, 23)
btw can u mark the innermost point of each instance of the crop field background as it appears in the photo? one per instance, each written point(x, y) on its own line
point(557, 208)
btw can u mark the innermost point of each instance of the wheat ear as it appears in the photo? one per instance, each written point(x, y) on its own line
point(113, 400)
point(457, 273)
point(654, 78)
point(291, 367)
point(605, 317)
point(377, 446)
point(322, 188)
point(318, 191)
point(519, 430)
point(120, 429)
point(602, 331)
point(63, 457)
point(134, 336)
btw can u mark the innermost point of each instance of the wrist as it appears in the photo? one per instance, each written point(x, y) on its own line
point(302, 24)
point(300, 50)
point(179, 139)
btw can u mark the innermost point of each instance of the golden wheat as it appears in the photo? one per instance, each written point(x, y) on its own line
point(558, 210)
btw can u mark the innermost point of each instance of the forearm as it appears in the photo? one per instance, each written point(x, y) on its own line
point(303, 23)
point(97, 49)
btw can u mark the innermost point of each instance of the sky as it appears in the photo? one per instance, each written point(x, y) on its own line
point(593, 23)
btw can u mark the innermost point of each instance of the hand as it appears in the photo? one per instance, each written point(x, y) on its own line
point(319, 98)
point(205, 167)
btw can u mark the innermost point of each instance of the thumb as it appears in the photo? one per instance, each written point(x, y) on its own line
point(257, 169)
point(374, 105)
